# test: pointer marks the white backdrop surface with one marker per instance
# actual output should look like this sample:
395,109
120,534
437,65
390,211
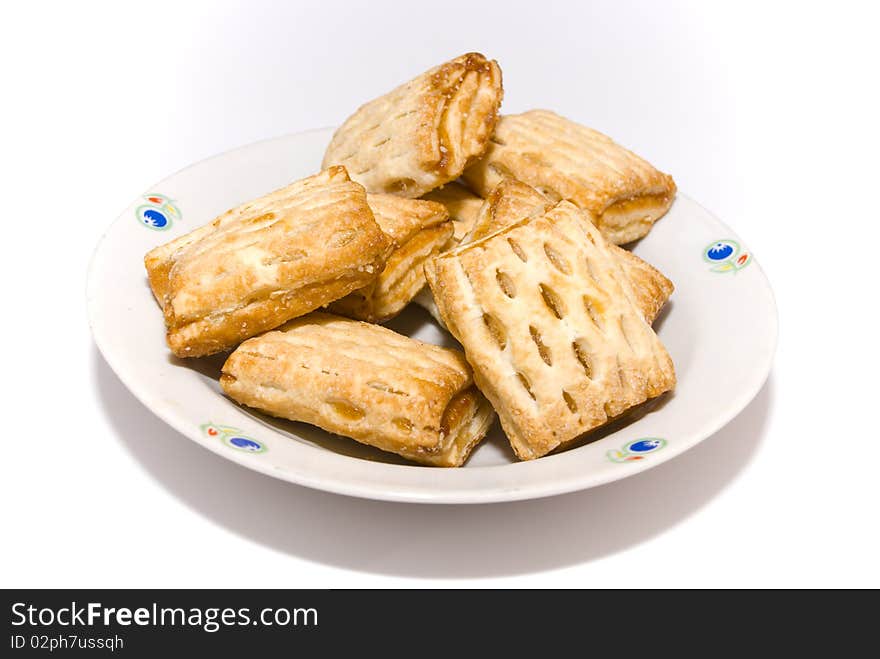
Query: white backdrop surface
766,113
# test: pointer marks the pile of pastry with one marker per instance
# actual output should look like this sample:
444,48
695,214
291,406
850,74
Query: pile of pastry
505,227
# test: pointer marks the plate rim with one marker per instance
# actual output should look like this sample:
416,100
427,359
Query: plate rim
175,420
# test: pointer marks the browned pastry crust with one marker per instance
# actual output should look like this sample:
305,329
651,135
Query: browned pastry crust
564,160
265,262
416,230
508,202
463,207
159,260
549,324
366,382
512,200
424,133
651,288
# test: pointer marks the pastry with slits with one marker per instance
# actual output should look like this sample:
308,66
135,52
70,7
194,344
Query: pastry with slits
265,262
366,382
416,230
512,200
564,160
549,323
423,133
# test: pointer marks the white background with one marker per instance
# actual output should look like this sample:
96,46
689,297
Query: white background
766,113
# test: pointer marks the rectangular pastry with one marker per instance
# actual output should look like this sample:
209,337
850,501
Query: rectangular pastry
512,200
366,382
564,160
416,230
265,262
424,133
549,324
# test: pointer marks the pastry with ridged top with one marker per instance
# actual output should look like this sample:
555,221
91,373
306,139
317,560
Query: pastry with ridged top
564,160
512,200
267,261
366,382
425,132
549,323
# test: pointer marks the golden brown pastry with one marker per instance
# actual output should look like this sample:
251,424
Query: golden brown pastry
424,133
463,207
512,200
366,382
265,262
159,260
549,324
564,160
651,288
417,230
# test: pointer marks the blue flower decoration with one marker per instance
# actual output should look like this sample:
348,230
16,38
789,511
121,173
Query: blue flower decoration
720,251
645,445
233,438
636,449
154,218
158,212
245,444
726,256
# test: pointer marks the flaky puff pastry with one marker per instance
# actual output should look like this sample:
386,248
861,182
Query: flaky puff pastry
512,200
424,133
265,262
416,230
564,160
462,205
549,324
366,382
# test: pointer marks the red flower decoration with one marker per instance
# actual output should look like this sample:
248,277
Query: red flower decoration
212,431
742,259
155,200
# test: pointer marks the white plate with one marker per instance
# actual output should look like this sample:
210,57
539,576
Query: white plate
720,328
